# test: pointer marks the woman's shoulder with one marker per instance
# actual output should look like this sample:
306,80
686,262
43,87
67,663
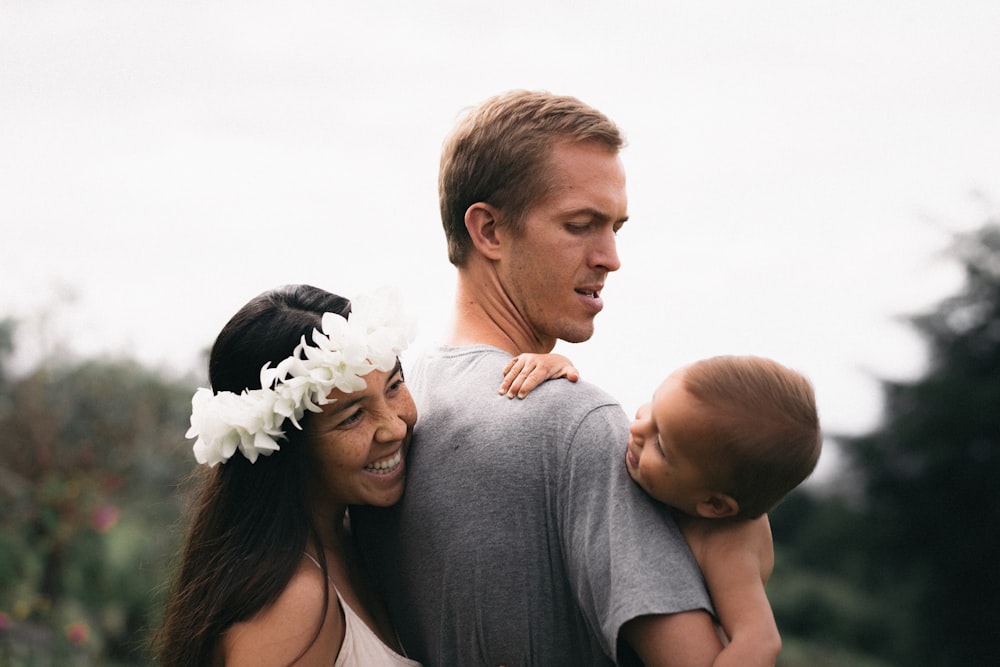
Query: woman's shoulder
304,621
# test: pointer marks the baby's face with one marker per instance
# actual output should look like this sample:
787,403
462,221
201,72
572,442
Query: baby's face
662,439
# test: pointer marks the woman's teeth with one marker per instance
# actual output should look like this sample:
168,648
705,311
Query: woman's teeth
387,464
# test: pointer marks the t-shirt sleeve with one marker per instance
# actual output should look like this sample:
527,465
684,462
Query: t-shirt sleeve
624,554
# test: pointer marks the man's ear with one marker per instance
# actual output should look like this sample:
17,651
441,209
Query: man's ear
481,221
718,506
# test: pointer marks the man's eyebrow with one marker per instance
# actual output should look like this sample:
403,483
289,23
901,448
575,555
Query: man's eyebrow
593,213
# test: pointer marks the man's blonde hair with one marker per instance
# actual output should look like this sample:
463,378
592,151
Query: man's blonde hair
498,154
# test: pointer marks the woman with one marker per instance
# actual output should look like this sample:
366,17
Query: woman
308,414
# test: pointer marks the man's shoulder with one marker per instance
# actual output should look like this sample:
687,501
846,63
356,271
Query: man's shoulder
466,379
572,408
587,394
463,364
445,358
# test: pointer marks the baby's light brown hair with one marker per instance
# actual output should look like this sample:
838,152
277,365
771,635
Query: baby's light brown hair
764,436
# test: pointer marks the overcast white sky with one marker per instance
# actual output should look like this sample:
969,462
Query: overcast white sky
794,167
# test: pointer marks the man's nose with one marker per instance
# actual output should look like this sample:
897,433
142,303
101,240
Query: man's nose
606,253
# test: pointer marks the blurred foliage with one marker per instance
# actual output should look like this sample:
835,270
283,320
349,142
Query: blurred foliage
90,453
902,566
898,569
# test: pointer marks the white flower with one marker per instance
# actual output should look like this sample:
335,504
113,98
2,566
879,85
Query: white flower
344,352
225,422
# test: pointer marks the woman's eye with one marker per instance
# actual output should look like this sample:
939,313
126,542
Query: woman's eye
350,419
397,382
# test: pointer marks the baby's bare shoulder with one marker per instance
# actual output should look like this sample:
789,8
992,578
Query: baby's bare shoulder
722,536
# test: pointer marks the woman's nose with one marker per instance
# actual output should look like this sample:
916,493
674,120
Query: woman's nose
391,427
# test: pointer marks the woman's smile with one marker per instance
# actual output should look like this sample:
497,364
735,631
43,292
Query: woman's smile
386,465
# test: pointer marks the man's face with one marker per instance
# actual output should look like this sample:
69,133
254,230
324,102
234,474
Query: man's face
554,269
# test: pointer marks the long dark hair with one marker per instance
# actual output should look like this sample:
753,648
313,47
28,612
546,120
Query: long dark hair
250,521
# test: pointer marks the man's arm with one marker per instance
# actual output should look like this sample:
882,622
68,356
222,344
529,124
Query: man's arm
630,569
684,639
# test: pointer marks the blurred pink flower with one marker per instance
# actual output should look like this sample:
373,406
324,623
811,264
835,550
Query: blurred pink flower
105,517
4,622
77,633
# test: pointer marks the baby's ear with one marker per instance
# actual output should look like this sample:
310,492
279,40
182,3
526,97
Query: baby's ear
718,506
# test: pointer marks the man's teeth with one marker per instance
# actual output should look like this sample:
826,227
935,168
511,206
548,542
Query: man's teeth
387,464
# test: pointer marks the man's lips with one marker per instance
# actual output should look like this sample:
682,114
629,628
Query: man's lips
592,292
590,298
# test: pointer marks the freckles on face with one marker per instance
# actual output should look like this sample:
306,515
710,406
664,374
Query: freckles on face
358,444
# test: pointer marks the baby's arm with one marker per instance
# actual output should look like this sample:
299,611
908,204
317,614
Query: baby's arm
526,371
736,559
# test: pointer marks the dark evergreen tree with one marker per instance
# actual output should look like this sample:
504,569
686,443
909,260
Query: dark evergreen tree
930,535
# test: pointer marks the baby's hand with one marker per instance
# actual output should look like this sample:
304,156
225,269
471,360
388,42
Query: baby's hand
526,371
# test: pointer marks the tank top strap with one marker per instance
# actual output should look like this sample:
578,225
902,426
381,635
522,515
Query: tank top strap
361,645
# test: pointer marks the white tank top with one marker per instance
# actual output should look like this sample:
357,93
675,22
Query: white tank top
362,647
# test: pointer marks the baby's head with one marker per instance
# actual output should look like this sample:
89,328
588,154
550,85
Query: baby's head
726,437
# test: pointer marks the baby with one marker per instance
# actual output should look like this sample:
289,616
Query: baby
722,442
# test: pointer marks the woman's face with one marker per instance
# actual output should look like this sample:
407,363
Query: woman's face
358,444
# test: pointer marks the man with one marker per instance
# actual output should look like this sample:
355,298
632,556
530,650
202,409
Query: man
520,539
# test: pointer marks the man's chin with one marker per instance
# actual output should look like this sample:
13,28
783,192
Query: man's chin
577,336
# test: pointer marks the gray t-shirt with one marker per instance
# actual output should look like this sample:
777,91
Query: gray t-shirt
520,539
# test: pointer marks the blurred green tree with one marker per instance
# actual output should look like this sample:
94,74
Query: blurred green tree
931,476
903,567
89,456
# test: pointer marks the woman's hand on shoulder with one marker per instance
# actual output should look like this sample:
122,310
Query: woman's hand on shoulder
526,371
296,627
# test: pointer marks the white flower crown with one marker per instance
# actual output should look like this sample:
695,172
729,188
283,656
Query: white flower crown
342,354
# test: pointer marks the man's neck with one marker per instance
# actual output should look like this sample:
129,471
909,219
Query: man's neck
484,315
